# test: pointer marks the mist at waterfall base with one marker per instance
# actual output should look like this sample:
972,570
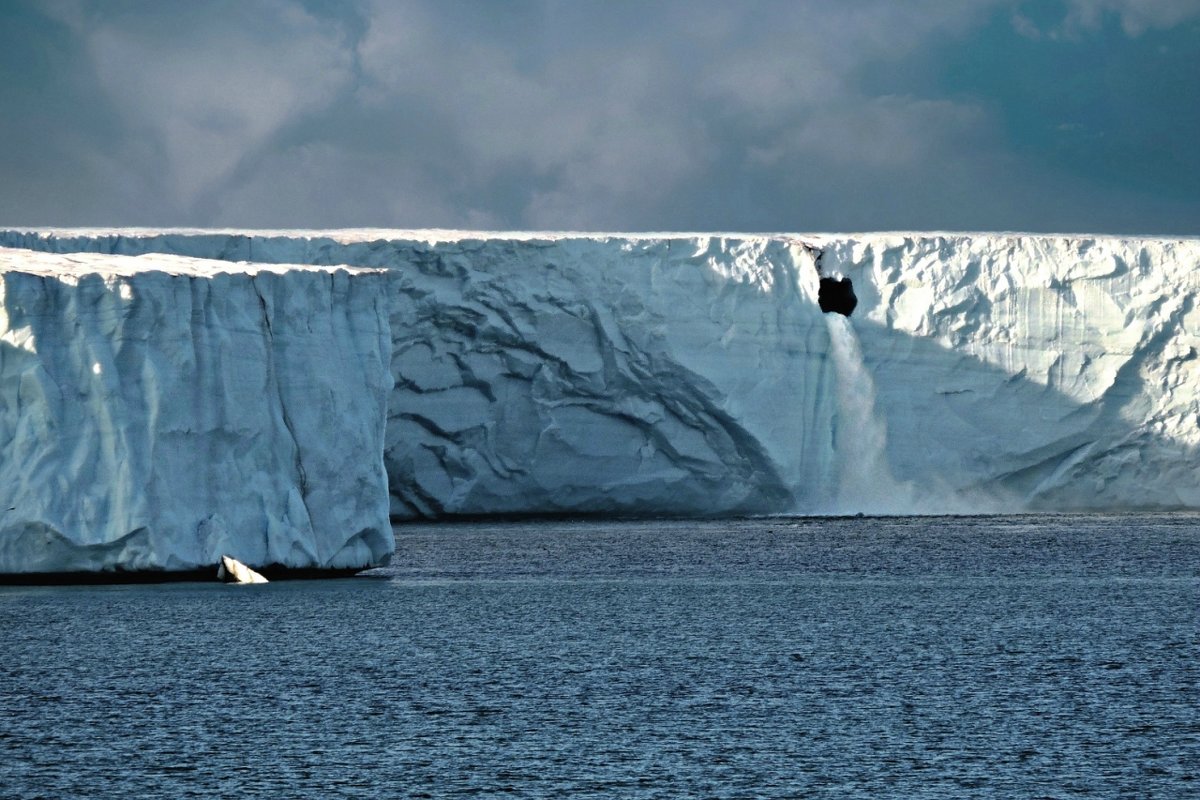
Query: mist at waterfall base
1023,656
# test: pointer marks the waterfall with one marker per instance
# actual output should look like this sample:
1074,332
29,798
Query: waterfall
865,482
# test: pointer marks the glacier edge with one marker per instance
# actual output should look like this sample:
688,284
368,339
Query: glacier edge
157,413
697,375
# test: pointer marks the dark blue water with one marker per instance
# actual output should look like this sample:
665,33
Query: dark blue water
1005,657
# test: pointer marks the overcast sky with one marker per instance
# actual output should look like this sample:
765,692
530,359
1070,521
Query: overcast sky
831,115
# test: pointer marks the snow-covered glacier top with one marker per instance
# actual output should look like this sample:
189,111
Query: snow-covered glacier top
698,373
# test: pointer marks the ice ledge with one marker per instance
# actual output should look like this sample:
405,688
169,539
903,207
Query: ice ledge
74,265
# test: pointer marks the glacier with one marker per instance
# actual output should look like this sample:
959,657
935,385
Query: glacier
635,374
158,412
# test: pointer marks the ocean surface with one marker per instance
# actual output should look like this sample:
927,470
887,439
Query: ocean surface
1053,656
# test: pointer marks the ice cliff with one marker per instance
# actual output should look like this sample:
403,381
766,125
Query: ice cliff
698,374
1032,372
158,412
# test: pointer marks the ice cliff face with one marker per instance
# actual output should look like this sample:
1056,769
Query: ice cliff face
579,374
158,412
1032,372
698,374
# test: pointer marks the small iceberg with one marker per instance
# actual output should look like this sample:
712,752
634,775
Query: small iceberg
230,570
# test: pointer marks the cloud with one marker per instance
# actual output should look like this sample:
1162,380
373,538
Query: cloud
598,115
607,130
593,131
1136,17
891,132
201,91
320,184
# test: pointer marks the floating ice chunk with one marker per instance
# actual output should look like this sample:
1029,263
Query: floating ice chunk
230,570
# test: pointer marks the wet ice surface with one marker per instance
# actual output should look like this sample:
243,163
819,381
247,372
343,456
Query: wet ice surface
1010,656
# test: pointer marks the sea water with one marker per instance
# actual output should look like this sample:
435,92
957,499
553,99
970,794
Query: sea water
1048,656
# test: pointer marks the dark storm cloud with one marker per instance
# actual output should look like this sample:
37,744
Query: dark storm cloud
828,114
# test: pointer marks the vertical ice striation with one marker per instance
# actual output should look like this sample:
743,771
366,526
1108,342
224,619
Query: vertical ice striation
159,412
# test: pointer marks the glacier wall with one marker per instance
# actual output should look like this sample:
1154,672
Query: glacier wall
158,412
544,374
697,374
1033,372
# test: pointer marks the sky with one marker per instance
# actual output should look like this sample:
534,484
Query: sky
699,115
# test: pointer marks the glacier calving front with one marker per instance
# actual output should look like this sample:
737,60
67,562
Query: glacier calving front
158,412
664,374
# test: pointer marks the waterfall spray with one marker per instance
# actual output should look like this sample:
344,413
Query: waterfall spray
865,479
